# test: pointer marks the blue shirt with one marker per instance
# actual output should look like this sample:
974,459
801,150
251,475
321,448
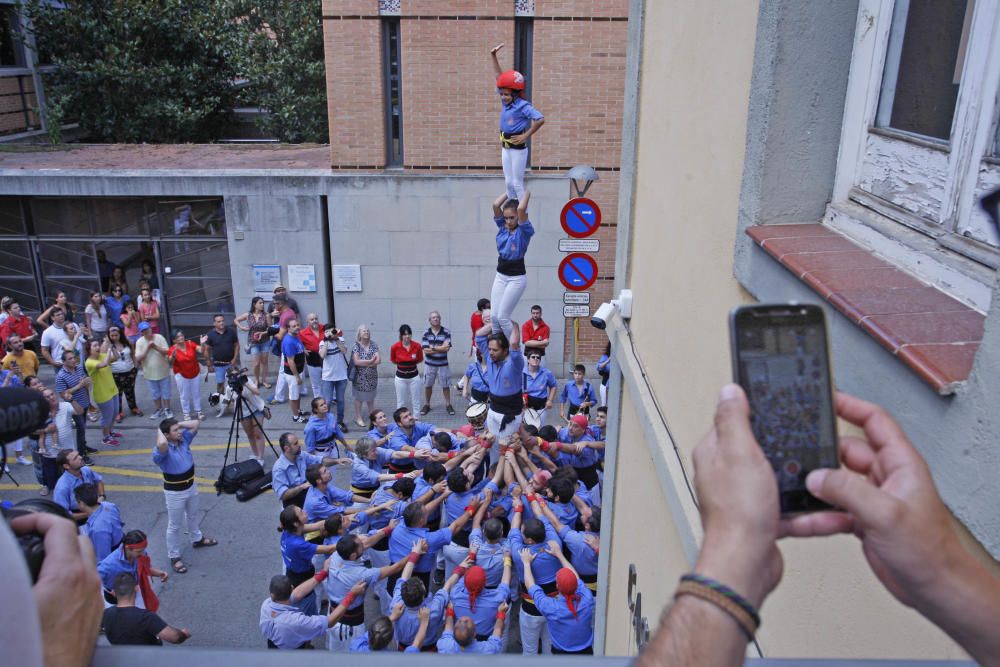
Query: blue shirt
382,519
322,504
504,379
361,645
105,529
583,558
565,512
421,487
576,395
291,346
363,474
115,307
285,474
516,117
447,644
377,435
323,428
513,245
407,625
477,376
178,457
344,574
584,459
297,552
490,556
65,379
67,483
568,633
545,565
14,380
487,602
402,539
400,439
287,626
539,385
113,565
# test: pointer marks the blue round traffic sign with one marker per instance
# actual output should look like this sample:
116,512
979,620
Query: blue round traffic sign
577,271
580,217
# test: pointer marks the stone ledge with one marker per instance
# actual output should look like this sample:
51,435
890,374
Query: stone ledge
934,334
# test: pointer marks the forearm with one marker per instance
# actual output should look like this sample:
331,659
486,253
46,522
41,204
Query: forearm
694,632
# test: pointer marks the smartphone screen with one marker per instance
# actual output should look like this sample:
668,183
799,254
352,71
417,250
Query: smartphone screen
781,359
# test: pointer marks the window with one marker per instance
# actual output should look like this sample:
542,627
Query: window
391,68
919,138
523,35
11,46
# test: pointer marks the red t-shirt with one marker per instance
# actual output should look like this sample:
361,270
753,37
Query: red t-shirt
477,323
529,332
186,361
311,339
406,358
20,325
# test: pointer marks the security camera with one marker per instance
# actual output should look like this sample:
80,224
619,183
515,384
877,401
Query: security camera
600,318
623,304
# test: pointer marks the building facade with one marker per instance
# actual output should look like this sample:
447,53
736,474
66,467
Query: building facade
814,152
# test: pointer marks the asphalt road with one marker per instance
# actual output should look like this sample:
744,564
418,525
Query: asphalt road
219,598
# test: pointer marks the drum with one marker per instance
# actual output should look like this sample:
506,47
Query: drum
476,415
532,418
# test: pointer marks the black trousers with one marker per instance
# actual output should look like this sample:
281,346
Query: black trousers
80,424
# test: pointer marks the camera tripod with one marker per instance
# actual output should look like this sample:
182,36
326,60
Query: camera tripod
240,412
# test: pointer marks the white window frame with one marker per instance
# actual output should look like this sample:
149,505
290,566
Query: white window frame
914,199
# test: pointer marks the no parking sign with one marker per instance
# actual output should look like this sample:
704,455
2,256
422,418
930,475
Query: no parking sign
580,217
578,271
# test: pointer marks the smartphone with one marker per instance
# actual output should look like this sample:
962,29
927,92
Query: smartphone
781,359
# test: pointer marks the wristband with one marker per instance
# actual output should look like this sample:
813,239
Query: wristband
470,509
484,444
451,455
507,561
723,597
450,613
501,615
413,454
387,531
518,509
459,570
321,576
400,475
348,599
544,446
472,556
532,498
413,557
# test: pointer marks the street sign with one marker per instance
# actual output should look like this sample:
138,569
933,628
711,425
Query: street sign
580,217
576,311
577,272
578,298
579,245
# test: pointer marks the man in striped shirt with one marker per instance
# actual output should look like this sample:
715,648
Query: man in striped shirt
436,342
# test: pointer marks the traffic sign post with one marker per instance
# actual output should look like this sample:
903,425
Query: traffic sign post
580,217
577,272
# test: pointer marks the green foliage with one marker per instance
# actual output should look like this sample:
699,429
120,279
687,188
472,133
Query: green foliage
158,71
282,58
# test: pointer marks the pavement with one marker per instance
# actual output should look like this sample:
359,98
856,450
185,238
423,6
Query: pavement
219,598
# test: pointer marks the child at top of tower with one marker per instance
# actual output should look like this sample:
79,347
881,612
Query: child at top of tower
518,121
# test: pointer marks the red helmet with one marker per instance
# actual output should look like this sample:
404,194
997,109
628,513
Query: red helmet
511,79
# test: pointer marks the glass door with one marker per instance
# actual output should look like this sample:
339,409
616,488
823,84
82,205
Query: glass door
197,283
70,267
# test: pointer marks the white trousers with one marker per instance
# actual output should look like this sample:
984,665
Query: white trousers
190,393
409,386
315,377
506,292
281,384
514,163
182,506
340,636
533,628
493,421
604,394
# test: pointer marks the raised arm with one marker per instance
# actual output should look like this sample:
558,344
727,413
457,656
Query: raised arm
497,203
522,204
496,60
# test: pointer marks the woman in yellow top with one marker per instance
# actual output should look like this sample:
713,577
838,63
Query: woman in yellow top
98,365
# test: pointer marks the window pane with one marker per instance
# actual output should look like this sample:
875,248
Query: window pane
11,220
186,259
69,267
66,217
119,217
17,278
11,49
191,217
923,66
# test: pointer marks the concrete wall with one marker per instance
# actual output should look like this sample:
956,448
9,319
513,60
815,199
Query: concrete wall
738,121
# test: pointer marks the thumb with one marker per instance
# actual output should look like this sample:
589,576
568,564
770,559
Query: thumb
851,492
732,416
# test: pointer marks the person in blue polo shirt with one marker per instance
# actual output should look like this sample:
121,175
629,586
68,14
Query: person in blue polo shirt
460,636
323,498
285,626
381,430
404,438
322,433
410,600
514,233
539,386
104,525
415,528
578,395
288,475
297,552
570,615
378,638
504,368
74,473
518,121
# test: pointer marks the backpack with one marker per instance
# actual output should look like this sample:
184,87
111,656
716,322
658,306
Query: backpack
236,475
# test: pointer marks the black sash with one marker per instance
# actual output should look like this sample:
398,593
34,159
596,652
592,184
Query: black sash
480,396
511,267
506,405
178,482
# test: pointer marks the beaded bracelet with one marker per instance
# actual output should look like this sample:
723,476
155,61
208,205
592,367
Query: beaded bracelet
723,597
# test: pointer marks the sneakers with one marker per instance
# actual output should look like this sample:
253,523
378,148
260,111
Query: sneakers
108,440
187,417
299,419
450,410
23,461
43,490
93,416
201,416
168,414
87,460
157,414
116,435
424,410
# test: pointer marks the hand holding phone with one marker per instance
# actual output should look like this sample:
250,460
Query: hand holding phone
781,359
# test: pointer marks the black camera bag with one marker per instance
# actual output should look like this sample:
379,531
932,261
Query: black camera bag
254,488
235,475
